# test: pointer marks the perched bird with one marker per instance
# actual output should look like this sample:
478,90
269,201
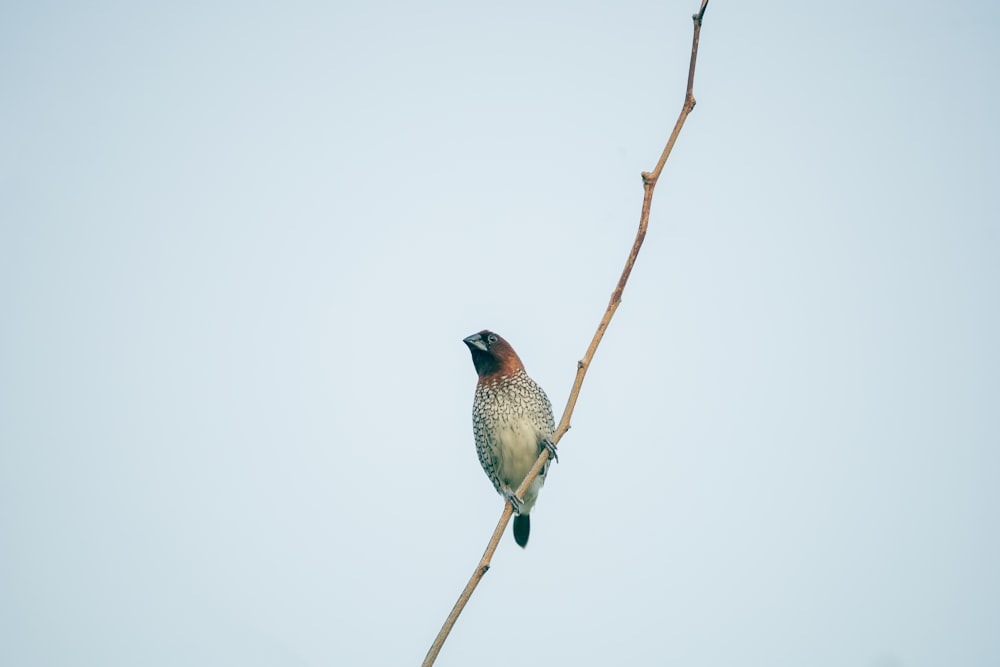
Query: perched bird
512,422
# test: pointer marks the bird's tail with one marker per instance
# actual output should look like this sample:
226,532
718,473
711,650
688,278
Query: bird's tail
522,526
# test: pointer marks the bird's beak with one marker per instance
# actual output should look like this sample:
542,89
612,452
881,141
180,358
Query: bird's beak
475,342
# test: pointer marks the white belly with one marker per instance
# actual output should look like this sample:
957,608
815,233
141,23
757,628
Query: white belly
518,445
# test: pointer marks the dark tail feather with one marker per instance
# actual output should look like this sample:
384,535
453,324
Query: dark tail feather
522,526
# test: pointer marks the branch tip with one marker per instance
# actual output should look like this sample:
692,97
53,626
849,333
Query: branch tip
701,13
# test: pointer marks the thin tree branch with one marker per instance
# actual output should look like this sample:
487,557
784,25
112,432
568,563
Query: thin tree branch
649,180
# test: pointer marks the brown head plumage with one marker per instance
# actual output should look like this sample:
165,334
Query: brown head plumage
492,355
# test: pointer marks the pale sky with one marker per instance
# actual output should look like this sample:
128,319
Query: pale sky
240,245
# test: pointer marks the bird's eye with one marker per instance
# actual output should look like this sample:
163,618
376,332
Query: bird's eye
492,338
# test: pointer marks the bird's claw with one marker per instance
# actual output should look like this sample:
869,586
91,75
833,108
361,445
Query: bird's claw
514,501
551,447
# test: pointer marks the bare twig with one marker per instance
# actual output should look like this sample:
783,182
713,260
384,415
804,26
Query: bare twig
648,183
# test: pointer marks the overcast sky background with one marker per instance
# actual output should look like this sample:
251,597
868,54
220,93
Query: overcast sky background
240,245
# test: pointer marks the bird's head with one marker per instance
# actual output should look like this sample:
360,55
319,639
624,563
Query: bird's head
491,354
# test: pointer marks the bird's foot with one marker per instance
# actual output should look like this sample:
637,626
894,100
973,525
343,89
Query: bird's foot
551,446
514,501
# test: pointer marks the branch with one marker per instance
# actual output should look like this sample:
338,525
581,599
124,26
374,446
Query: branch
649,180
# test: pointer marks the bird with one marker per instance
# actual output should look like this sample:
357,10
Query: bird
512,423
